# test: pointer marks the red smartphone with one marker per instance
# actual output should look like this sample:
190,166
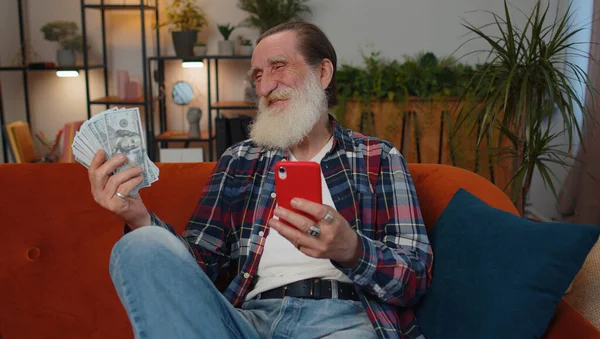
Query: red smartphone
297,179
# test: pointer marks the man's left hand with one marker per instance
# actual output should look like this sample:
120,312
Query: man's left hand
337,240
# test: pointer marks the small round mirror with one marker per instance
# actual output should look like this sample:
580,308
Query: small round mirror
182,93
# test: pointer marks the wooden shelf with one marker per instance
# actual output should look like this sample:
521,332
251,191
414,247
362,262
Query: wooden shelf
12,68
114,100
181,136
53,68
233,105
201,57
247,113
63,68
116,7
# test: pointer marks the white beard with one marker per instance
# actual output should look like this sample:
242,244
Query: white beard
276,129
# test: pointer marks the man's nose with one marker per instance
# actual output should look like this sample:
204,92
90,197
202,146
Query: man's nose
265,86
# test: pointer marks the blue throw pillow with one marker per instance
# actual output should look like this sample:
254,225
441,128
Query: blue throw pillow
497,275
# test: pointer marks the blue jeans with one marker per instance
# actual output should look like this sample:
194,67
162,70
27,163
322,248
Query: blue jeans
167,295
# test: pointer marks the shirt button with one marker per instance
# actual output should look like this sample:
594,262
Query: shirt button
246,275
273,195
261,234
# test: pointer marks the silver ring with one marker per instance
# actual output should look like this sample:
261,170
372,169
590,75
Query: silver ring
314,231
120,196
328,218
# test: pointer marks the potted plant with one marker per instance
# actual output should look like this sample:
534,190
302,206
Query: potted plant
188,20
66,34
246,47
525,88
265,14
225,45
200,48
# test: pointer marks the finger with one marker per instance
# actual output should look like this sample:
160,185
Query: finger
128,186
120,178
318,211
295,236
100,175
111,165
97,161
300,221
96,181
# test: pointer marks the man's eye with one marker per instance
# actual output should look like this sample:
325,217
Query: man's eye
278,66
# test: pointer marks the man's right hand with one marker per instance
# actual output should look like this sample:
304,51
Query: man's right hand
105,187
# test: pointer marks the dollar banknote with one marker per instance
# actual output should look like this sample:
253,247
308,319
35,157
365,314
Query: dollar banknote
116,131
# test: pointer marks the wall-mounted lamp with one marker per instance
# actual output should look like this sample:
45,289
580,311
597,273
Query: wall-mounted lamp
67,74
192,64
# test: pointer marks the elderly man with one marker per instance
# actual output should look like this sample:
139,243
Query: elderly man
357,277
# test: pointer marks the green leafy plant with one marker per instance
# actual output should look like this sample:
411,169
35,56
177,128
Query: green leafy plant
265,14
523,89
184,15
422,75
200,44
226,30
65,33
244,42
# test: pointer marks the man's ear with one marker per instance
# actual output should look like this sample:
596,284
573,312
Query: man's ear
326,73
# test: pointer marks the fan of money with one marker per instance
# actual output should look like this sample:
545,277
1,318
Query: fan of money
116,131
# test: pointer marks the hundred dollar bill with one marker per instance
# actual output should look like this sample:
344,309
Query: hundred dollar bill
124,135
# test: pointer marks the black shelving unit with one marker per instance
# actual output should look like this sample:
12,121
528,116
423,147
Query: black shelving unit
107,100
146,98
164,135
23,69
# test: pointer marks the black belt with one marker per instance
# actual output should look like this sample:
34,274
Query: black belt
313,289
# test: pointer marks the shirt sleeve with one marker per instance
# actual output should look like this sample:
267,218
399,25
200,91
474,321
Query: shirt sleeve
206,232
396,266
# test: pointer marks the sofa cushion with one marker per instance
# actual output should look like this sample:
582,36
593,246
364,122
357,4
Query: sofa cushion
497,275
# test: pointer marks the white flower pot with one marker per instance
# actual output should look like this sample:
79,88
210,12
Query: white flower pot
199,50
226,47
65,58
246,50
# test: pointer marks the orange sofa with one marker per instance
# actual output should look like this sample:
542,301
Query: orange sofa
55,244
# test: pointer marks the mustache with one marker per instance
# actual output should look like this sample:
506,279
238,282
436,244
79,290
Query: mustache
279,94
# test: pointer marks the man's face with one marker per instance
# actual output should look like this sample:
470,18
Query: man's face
130,143
277,67
292,98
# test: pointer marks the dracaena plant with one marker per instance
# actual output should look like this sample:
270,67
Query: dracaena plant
525,87
265,14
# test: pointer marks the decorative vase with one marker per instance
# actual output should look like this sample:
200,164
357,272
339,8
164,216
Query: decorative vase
246,50
226,47
199,50
65,57
183,42
193,116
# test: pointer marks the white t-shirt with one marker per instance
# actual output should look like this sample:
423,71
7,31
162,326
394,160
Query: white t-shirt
282,263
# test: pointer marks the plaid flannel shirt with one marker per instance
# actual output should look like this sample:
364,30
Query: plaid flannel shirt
371,188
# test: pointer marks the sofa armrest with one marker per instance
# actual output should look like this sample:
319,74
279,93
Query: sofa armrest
568,323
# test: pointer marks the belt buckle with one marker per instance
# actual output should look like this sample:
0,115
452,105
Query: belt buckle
334,289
